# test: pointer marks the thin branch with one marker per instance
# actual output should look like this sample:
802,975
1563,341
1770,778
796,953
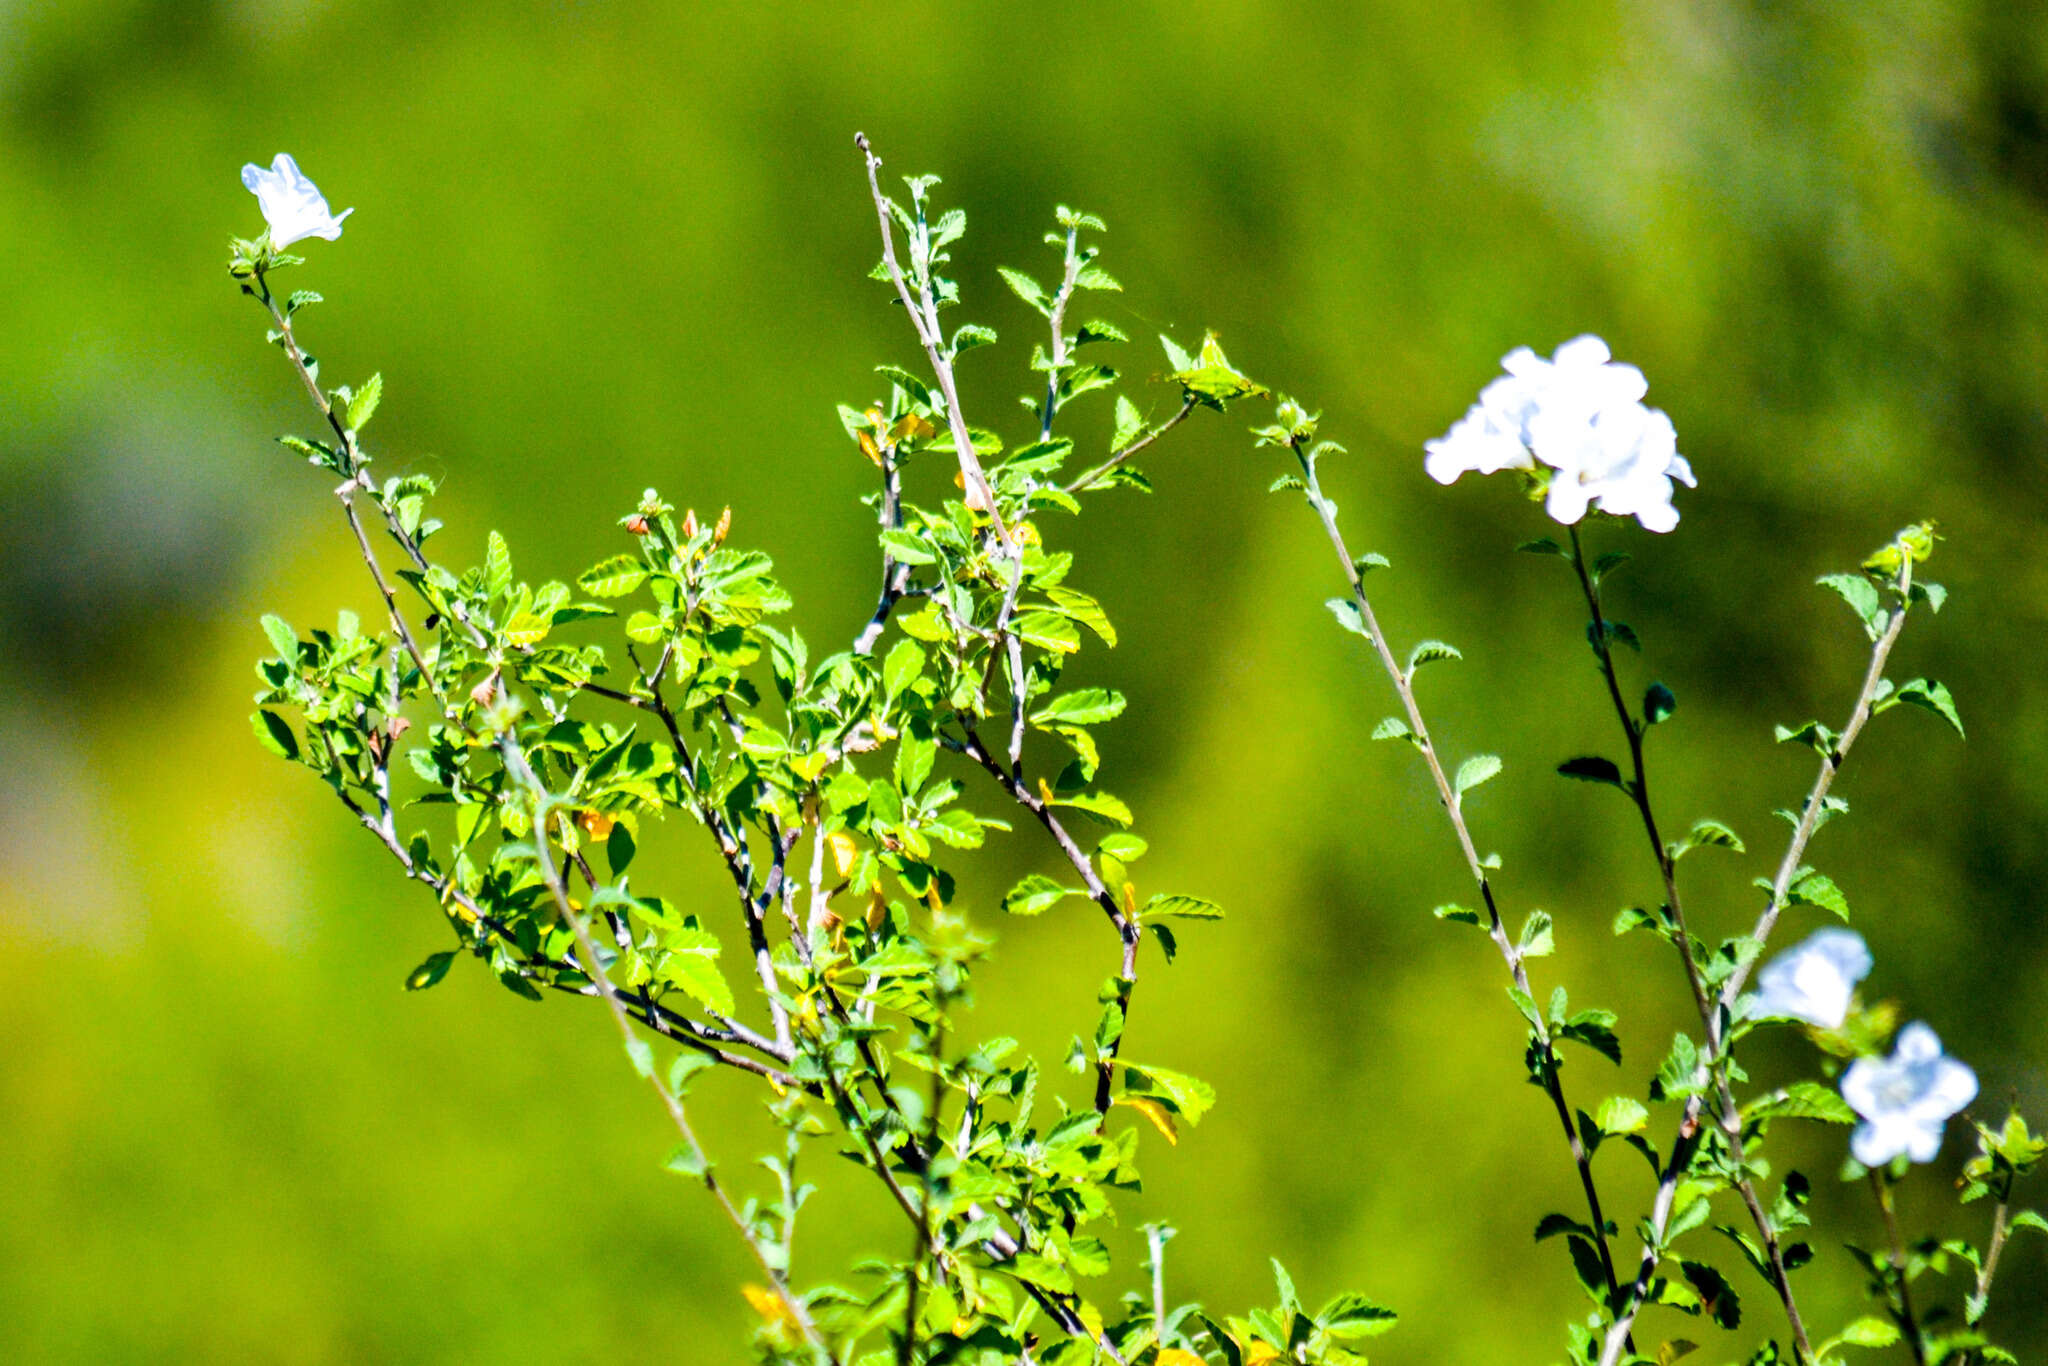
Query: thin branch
1129,931
924,317
1076,485
542,804
1909,1322
895,574
1703,1000
1551,1065
1795,852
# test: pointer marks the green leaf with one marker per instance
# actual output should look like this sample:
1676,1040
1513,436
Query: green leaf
1026,288
971,336
619,848
614,577
1086,707
903,546
1865,1332
909,384
362,405
1861,594
274,734
1428,652
1592,769
1537,940
1925,692
429,972
1185,1095
1351,1315
1707,834
692,964
1459,914
1346,612
1817,889
1542,545
497,566
1184,907
1621,1115
1801,1100
1100,805
282,638
642,1054
1474,771
685,1160
905,661
1035,894
1048,631
1212,380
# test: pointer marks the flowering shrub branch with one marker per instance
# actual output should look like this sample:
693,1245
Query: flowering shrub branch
526,771
510,752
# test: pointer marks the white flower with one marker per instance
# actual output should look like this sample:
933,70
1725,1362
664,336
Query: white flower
1581,414
1814,980
292,204
1906,1098
1483,441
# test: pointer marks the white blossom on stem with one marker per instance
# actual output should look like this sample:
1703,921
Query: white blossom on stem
292,205
1580,415
1814,980
1905,1099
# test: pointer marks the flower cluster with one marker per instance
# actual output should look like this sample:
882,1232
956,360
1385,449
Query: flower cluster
1904,1100
1580,418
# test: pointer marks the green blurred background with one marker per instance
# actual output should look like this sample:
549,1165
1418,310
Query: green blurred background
599,246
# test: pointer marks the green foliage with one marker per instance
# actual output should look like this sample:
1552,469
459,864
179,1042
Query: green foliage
496,735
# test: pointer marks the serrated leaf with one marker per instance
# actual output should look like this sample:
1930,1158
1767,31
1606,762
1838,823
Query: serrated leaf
1025,288
1801,1100
1592,769
1189,1097
1621,1115
1708,834
362,405
1086,707
1818,889
1183,907
692,964
1934,697
1860,593
497,565
1428,652
1474,771
1035,894
614,577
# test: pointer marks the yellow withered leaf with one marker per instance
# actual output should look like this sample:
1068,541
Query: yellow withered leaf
1162,1118
844,852
911,425
770,1306
595,824
1174,1356
869,449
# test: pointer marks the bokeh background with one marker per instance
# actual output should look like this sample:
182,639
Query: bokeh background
604,245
